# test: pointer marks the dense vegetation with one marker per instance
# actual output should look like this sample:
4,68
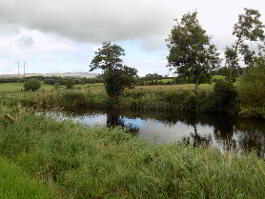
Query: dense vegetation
252,91
32,85
77,162
16,184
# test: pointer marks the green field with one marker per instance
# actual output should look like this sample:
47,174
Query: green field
187,87
158,98
15,87
218,77
98,87
166,80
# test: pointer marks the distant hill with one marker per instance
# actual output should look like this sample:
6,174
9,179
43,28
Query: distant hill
67,74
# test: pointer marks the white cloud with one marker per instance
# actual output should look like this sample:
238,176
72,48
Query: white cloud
33,41
56,31
91,21
120,20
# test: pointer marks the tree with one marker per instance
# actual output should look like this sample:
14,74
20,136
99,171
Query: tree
190,50
248,29
116,75
154,76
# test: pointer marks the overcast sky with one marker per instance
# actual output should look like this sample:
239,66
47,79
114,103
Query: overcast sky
62,35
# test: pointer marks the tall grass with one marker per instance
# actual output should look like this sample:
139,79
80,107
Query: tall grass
15,184
110,163
84,98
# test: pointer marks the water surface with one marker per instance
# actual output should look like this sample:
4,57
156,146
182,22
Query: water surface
224,133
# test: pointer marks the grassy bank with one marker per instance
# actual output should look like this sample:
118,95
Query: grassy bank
174,97
80,163
180,98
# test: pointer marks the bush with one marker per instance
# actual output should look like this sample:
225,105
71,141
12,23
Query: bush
69,83
32,85
74,100
49,81
252,87
223,99
225,96
252,92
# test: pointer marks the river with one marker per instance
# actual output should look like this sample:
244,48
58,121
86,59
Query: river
224,133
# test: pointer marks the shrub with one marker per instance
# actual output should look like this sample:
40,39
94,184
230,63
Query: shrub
225,96
223,99
32,85
56,85
252,87
49,81
72,100
69,83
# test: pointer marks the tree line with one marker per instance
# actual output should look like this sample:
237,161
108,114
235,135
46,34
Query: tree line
192,56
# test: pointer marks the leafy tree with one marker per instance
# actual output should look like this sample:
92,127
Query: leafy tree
191,53
248,29
116,75
154,76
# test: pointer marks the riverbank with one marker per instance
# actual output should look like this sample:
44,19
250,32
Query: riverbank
155,98
77,162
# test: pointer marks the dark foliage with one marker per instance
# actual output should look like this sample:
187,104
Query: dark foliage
224,99
32,85
116,75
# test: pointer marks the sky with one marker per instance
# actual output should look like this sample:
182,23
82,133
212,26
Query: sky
62,35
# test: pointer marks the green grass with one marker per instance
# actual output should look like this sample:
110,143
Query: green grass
109,163
10,87
181,87
14,87
166,80
218,77
99,88
163,97
15,184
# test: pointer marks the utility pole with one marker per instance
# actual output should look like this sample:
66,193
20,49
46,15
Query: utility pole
17,71
24,71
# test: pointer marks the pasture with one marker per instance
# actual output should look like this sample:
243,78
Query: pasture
98,88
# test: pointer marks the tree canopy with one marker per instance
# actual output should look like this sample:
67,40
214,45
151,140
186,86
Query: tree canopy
116,75
190,52
248,30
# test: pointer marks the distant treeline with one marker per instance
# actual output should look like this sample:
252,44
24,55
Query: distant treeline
149,79
53,80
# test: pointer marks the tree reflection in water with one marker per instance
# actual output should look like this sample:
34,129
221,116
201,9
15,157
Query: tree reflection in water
227,133
230,134
116,120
